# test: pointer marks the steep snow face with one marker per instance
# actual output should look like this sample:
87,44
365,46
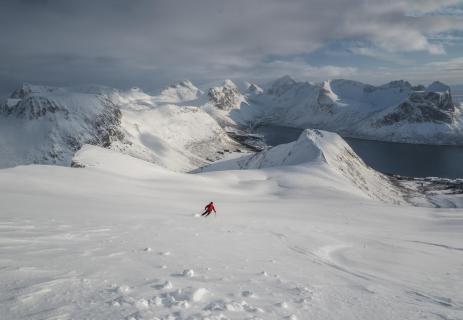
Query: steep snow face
325,149
290,103
48,125
178,138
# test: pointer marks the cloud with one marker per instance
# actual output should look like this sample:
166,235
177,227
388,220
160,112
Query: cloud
453,65
151,42
300,69
448,71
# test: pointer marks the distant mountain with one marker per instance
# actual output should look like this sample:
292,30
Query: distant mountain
183,128
182,92
48,125
396,111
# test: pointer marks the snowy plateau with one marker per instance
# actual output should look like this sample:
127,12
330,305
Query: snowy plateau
101,192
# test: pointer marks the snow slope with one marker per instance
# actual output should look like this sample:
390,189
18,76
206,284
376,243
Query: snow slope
322,149
120,239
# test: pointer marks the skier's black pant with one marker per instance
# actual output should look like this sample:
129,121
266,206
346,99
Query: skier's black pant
206,213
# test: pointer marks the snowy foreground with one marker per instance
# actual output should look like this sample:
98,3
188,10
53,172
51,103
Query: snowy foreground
122,239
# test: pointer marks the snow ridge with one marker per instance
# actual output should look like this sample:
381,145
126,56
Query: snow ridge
320,148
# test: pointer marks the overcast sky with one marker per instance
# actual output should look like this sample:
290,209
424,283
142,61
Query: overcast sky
151,43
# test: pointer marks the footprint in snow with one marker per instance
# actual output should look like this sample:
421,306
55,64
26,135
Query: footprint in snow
247,293
187,273
165,285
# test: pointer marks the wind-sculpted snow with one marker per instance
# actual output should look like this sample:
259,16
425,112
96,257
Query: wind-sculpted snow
320,148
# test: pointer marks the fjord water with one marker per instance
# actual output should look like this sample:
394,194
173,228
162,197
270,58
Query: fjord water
412,160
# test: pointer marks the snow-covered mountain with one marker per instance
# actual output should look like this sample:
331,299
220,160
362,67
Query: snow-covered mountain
183,128
48,125
396,111
226,97
320,149
297,235
182,92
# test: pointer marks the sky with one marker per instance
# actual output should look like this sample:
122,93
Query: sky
153,43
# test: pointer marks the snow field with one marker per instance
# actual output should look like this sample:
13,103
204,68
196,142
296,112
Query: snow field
293,242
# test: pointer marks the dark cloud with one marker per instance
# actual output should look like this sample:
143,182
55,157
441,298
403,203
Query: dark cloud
150,43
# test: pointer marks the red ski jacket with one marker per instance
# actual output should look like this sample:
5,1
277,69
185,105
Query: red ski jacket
210,207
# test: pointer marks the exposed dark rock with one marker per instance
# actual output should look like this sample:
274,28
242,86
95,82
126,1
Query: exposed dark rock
34,107
422,106
226,97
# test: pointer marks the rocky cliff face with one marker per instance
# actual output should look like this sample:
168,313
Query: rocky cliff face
433,105
420,107
396,111
52,123
48,125
226,97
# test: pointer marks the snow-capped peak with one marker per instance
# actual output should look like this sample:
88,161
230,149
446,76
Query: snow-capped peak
226,97
229,84
27,89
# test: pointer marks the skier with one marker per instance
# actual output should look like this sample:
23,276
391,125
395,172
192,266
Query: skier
208,209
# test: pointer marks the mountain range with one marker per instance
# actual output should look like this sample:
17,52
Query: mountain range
183,128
